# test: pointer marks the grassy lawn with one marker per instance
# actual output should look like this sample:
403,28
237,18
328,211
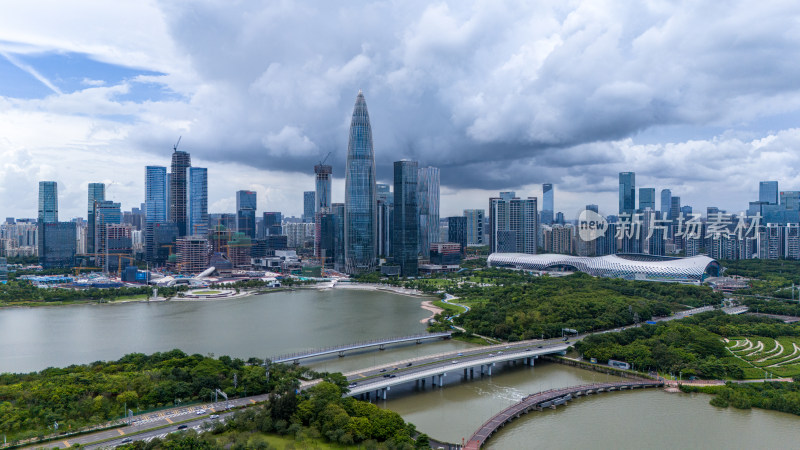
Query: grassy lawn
452,309
277,441
780,357
207,292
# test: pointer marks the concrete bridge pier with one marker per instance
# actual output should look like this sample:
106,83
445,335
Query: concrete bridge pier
465,373
433,380
490,368
367,395
472,372
423,382
440,380
384,393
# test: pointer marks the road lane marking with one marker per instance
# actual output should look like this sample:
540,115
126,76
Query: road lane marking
121,433
167,419
212,409
66,444
252,401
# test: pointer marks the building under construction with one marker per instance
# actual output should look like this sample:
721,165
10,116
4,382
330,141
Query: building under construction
193,254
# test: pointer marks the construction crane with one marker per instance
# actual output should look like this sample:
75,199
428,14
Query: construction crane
78,270
175,147
325,159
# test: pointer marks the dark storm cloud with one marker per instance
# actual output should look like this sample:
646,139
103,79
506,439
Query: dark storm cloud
494,93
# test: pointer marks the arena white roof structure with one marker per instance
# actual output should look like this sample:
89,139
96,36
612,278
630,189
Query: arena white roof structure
628,266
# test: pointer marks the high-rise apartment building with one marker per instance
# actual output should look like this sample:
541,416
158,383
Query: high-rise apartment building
768,192
324,174
272,223
198,202
97,193
178,191
48,201
475,222
360,202
246,213
666,202
647,199
428,204
309,206
513,225
406,217
627,192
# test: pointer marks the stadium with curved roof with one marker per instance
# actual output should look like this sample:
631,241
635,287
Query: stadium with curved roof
628,266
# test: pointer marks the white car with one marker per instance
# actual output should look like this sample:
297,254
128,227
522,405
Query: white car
200,412
213,416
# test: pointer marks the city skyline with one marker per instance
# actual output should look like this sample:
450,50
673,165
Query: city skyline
448,90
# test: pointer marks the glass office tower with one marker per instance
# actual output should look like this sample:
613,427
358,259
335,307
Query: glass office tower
647,198
627,192
666,202
360,203
48,201
768,192
97,193
406,217
198,202
178,194
428,201
246,213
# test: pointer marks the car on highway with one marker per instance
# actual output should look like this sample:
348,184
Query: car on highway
126,441
383,370
460,354
200,412
453,362
214,416
409,364
353,384
392,376
387,375
183,427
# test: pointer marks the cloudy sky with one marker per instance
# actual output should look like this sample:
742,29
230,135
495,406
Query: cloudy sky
700,97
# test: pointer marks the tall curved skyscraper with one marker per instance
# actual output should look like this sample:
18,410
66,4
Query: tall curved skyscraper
360,221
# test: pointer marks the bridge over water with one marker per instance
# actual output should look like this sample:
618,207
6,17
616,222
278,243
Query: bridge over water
381,381
341,349
548,399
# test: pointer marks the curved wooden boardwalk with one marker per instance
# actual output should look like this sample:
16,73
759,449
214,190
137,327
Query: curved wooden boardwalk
545,399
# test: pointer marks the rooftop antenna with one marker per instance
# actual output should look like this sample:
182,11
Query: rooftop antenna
175,147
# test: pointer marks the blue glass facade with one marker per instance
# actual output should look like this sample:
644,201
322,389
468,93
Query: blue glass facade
406,217
309,200
198,201
627,192
97,193
155,194
324,174
246,213
768,192
360,202
48,201
647,198
666,202
428,201
57,244
178,193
